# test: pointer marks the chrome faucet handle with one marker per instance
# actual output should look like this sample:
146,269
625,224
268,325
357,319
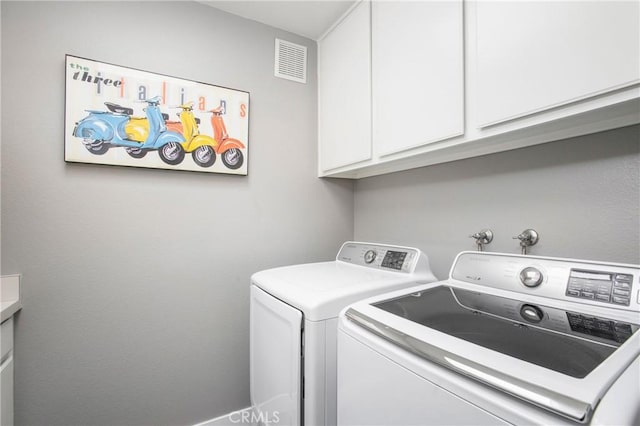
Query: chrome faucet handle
483,237
528,238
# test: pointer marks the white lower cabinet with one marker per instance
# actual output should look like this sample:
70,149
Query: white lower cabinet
457,79
6,373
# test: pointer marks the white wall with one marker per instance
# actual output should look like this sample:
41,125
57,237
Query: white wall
582,195
135,281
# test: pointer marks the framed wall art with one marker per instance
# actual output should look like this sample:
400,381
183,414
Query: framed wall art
127,117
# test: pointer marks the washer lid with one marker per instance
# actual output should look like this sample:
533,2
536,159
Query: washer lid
567,342
321,290
546,356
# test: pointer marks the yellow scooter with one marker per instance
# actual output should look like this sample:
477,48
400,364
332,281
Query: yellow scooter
201,147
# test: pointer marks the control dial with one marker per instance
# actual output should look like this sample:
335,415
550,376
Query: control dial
531,277
370,256
531,313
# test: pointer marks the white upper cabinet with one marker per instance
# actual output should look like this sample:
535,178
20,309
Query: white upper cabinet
406,84
536,55
345,91
417,73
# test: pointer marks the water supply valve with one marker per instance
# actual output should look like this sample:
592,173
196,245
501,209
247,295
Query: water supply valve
483,237
528,238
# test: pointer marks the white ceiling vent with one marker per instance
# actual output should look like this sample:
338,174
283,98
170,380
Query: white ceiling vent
291,61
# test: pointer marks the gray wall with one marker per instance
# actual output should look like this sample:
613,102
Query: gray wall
135,281
581,195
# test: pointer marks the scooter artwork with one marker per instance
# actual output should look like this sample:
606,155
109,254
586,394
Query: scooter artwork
201,147
204,148
101,130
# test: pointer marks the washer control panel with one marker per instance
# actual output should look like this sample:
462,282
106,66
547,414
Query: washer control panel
531,277
603,286
611,285
392,258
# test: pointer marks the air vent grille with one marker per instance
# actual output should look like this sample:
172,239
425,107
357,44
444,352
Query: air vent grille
291,61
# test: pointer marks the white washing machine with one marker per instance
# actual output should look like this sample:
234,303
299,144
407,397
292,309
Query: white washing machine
507,339
294,317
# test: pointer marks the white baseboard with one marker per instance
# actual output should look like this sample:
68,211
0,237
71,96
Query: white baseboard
235,418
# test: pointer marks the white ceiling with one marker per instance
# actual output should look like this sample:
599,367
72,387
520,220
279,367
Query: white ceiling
308,18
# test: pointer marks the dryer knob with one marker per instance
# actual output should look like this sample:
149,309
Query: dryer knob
531,277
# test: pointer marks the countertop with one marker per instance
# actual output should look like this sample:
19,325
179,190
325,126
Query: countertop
10,296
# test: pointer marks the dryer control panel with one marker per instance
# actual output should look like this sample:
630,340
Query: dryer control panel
390,258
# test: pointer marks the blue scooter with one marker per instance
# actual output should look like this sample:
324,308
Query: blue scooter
101,130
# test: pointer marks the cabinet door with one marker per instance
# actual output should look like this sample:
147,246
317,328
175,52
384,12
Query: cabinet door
6,392
417,72
345,91
536,55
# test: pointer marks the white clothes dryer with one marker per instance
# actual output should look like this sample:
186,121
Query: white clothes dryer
507,339
293,326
